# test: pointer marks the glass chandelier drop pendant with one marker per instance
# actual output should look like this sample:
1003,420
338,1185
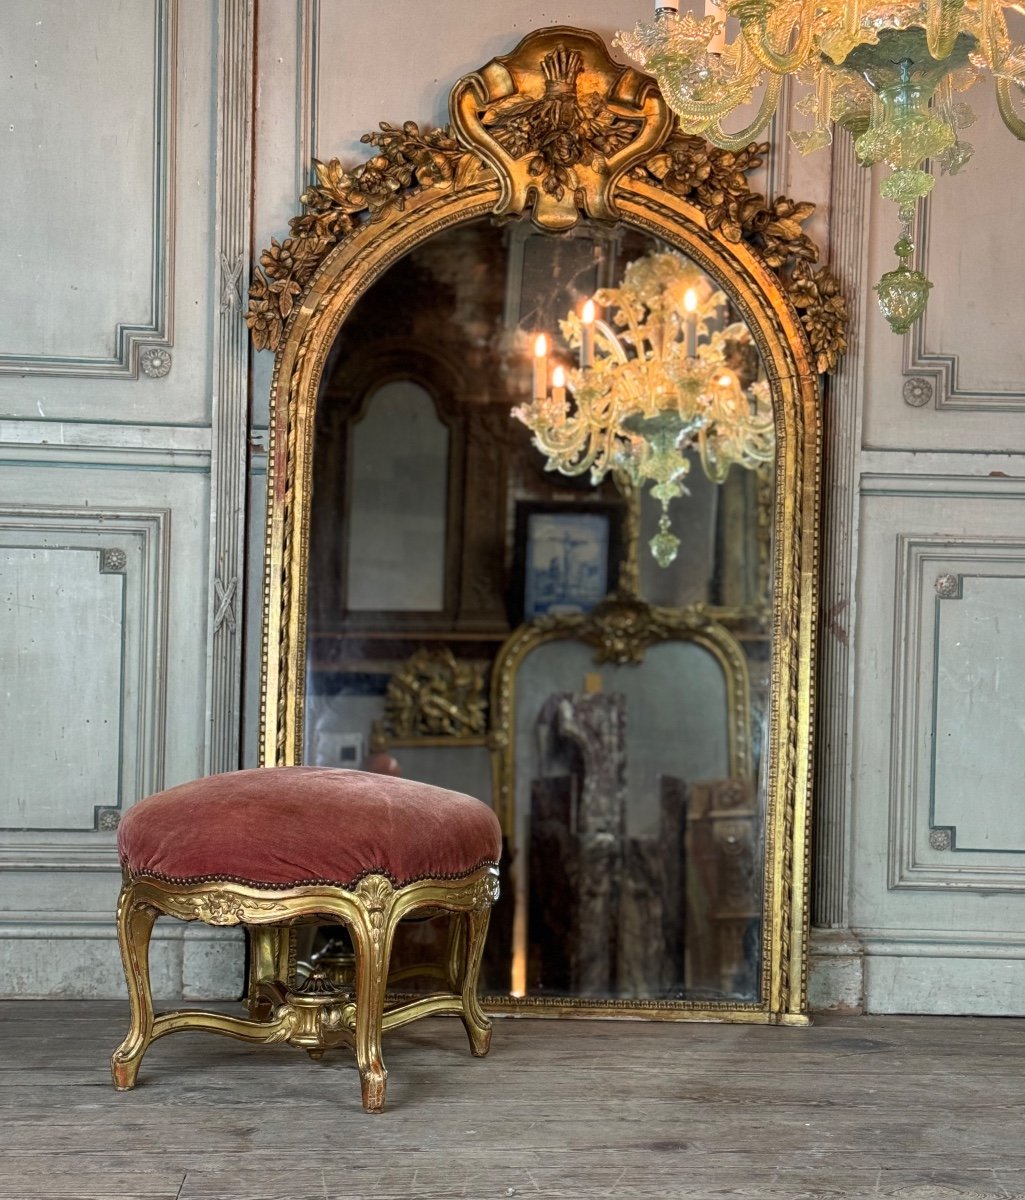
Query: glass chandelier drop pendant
887,72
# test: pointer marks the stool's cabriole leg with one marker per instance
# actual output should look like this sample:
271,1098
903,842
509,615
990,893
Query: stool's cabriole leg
373,930
134,927
265,967
478,1027
455,963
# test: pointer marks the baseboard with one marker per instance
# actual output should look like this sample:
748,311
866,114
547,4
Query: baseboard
836,972
941,973
77,958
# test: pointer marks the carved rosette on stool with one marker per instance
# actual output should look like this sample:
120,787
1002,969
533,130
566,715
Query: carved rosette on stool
183,857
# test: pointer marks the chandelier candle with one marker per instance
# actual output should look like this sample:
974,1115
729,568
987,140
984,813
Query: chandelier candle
540,388
718,43
559,387
587,335
690,303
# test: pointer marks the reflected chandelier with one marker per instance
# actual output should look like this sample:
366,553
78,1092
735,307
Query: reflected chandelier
652,388
888,72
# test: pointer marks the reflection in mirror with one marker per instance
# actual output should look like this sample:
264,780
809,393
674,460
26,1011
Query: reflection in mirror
397,511
459,630
635,806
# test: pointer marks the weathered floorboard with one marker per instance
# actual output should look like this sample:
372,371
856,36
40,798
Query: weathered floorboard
915,1108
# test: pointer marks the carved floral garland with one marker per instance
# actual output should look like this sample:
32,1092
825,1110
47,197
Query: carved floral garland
410,161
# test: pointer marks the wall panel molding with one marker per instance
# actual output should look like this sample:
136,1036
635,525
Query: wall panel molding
156,329
99,444
307,66
230,405
926,368
996,484
932,572
133,547
842,438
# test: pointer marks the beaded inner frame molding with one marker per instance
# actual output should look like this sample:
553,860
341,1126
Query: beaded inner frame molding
557,131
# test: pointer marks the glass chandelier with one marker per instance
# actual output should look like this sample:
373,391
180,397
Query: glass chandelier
653,388
887,72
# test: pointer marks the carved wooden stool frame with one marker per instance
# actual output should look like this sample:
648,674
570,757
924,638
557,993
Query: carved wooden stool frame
313,1015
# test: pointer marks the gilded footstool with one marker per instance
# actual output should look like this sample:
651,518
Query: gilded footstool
283,846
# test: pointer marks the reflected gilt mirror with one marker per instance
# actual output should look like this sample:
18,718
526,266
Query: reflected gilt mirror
542,526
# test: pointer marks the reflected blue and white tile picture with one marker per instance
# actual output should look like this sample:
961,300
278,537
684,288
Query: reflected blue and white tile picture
567,567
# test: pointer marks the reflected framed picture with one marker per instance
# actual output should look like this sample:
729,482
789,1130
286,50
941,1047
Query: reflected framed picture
566,557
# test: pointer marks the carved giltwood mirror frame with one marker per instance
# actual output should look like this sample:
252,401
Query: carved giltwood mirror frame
620,158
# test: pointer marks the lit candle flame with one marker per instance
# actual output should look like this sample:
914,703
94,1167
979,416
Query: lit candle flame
558,378
690,300
587,336
540,366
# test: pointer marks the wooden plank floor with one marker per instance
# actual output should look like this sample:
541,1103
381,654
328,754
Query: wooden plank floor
920,1108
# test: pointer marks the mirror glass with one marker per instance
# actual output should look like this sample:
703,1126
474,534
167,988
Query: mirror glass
634,811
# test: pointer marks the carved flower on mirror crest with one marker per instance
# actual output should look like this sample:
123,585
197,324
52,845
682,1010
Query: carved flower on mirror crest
816,296
262,317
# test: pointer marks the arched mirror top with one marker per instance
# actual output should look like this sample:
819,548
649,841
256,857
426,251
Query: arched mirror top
558,134
556,131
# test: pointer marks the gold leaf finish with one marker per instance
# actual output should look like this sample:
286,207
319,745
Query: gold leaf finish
408,161
436,695
313,1017
559,125
663,183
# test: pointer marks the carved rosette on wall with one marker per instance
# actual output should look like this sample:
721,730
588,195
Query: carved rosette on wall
155,362
948,586
559,132
918,391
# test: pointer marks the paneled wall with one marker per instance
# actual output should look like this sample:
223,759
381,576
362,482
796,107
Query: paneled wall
130,572
921,856
123,404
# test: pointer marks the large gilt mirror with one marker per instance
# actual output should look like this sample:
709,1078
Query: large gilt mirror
501,561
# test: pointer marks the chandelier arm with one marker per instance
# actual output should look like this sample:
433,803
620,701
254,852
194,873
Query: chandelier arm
614,345
1005,103
695,111
757,40
571,456
702,112
942,24
989,31
635,327
737,141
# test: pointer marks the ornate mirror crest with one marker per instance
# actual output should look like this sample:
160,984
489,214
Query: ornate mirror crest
557,131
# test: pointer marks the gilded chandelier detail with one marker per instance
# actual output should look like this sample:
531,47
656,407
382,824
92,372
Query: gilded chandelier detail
888,72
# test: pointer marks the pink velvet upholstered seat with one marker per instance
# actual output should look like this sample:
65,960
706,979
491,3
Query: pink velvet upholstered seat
277,827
